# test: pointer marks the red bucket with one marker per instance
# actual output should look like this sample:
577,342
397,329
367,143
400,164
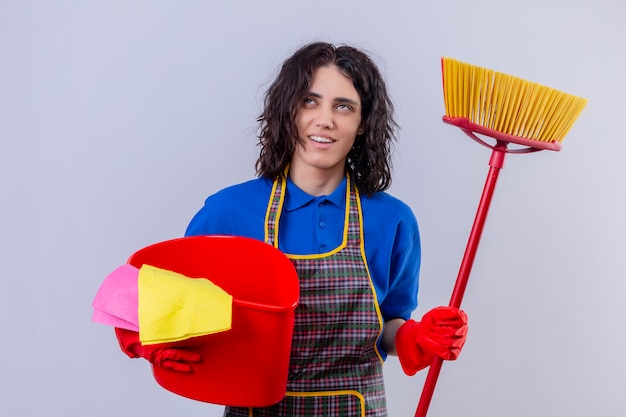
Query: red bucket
246,366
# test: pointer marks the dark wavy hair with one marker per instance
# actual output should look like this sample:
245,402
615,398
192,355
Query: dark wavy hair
369,160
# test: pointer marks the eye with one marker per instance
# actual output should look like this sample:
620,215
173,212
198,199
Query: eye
345,107
308,102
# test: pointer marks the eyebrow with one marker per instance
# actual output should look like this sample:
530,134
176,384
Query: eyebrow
336,99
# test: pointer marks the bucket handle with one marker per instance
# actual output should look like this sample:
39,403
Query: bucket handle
264,307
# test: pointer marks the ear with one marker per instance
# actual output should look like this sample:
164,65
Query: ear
361,130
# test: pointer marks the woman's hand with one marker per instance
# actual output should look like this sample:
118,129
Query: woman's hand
173,358
442,332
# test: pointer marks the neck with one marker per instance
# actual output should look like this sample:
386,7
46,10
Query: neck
316,182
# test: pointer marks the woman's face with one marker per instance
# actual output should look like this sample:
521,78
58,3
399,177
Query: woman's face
328,120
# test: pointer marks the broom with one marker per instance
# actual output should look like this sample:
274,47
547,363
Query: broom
510,110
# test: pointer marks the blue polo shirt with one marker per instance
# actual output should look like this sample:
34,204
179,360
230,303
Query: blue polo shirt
311,224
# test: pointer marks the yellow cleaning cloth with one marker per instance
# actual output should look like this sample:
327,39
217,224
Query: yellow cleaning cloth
173,307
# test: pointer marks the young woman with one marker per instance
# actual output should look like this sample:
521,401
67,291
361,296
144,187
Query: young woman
325,139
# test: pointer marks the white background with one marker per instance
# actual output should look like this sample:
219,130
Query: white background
117,119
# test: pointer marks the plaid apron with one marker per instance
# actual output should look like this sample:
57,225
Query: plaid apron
335,368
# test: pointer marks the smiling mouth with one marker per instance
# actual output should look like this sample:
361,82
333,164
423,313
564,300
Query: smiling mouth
320,139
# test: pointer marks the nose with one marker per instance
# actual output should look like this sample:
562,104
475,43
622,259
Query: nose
324,117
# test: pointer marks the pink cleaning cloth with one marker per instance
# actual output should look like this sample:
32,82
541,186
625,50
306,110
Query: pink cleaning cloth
116,301
101,317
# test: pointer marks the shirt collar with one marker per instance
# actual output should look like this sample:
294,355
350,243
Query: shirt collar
296,198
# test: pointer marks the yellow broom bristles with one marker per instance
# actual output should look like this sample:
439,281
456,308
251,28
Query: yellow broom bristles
508,104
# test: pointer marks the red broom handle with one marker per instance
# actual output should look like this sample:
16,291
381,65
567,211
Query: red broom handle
495,164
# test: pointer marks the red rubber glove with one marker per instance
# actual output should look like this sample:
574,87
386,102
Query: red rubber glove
441,332
172,358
